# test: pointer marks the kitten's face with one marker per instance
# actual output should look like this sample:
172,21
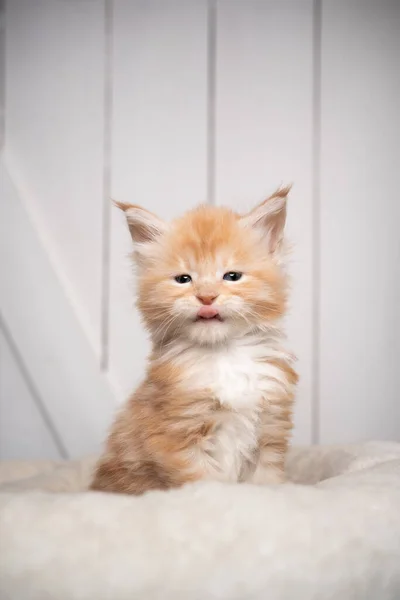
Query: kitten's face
212,274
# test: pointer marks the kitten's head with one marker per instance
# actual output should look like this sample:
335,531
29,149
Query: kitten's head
212,274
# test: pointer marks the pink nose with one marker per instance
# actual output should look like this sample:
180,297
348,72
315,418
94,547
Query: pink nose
207,299
207,312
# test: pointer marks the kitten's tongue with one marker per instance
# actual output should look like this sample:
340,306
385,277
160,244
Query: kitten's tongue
207,312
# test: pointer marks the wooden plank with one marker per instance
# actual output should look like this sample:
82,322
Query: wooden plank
23,433
159,143
264,138
46,332
360,213
54,136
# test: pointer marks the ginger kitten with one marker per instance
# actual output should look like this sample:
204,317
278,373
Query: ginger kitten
217,397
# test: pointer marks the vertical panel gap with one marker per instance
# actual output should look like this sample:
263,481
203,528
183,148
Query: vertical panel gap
2,73
34,393
107,139
316,224
211,97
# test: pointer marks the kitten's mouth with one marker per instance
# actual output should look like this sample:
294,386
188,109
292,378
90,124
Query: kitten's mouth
208,314
209,319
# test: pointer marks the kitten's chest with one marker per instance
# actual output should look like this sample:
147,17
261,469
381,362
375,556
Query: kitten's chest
235,379
238,380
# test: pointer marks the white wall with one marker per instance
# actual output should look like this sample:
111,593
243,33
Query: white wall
169,103
359,247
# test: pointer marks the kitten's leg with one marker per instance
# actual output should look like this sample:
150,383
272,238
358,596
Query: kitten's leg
275,427
112,475
126,468
270,468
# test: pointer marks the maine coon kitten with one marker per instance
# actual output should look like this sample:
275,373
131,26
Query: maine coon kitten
217,397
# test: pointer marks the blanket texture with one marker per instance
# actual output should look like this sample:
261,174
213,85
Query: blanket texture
332,533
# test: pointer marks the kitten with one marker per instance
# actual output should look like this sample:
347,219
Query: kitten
217,397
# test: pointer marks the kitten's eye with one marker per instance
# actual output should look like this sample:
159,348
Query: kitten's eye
233,276
183,278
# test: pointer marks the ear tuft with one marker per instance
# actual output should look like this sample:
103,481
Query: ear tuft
269,218
121,205
143,225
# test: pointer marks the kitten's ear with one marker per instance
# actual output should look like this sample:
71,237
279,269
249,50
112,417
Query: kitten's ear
143,225
269,218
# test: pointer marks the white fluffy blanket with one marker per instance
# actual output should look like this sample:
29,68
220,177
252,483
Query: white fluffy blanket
332,534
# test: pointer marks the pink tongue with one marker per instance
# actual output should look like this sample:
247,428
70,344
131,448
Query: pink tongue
207,312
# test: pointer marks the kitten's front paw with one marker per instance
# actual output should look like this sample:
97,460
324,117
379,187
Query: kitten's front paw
267,476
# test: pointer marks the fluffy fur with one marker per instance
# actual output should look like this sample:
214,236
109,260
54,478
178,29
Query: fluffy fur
336,538
216,401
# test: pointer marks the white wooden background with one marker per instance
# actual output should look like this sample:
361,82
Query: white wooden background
169,103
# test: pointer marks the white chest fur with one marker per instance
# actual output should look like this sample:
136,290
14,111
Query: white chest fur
236,377
240,377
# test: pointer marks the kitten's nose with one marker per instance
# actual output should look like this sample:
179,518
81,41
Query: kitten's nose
207,299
